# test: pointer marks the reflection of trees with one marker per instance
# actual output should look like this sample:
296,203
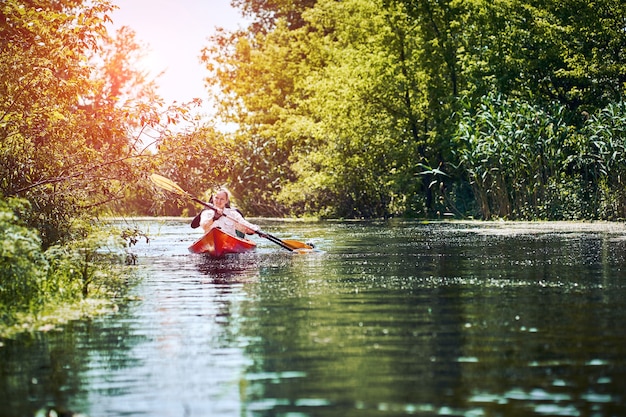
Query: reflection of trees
542,319
231,269
56,368
187,321
423,317
354,328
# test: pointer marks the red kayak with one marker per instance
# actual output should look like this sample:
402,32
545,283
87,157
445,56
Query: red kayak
218,243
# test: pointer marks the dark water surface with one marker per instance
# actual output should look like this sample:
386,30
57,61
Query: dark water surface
388,319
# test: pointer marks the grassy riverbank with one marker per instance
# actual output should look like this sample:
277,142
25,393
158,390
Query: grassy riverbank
42,288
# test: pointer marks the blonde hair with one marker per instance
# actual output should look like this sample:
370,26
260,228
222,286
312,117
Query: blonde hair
225,191
208,195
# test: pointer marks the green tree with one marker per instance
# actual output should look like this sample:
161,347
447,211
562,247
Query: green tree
337,95
43,71
255,76
547,50
364,101
66,141
350,108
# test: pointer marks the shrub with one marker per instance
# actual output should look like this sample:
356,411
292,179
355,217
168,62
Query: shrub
22,264
34,284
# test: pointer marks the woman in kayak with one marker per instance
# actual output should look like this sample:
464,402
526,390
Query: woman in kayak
225,217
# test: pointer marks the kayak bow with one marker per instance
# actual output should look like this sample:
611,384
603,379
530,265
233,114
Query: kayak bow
218,243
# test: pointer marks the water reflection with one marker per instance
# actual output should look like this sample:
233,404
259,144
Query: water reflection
229,269
50,369
392,318
442,322
351,344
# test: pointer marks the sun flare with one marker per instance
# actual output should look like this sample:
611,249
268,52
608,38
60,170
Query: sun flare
151,64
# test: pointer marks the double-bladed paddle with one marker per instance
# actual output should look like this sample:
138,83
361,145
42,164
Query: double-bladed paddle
169,185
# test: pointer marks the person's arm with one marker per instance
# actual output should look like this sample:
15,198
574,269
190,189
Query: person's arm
206,220
242,224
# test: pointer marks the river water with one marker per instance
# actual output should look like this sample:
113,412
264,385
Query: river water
384,319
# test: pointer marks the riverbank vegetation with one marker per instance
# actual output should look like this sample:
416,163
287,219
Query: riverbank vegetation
355,108
489,109
41,288
70,103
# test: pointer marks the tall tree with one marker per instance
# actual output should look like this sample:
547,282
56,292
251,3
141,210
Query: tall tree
64,142
255,76
364,96
338,107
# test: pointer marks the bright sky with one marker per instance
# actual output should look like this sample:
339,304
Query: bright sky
176,31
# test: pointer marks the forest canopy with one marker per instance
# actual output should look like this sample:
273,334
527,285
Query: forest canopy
374,108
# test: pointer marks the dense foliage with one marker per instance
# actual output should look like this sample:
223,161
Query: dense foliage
36,283
362,108
63,130
74,113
